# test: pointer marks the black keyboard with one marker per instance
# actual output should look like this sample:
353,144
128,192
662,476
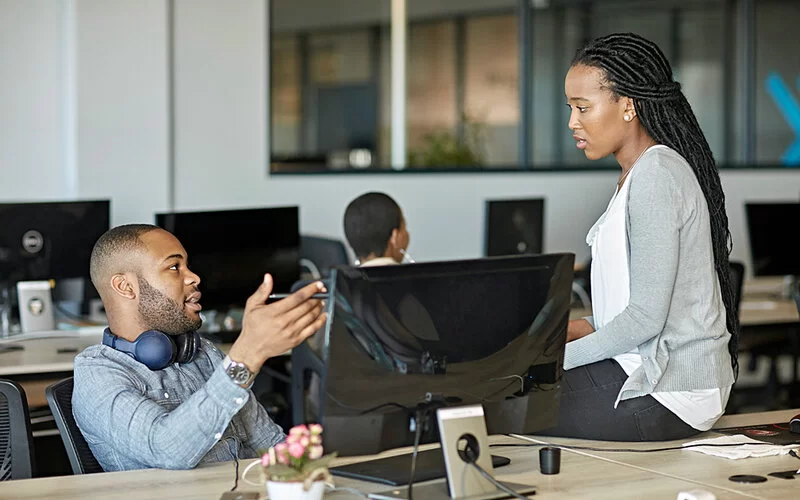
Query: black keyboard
395,471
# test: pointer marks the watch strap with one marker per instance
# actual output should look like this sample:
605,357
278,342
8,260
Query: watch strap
228,363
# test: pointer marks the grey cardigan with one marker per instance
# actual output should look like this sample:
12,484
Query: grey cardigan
675,315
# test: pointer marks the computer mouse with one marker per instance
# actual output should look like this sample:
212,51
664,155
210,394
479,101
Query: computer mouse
794,424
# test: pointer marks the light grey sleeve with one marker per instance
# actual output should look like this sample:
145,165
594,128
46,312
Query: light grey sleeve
262,432
653,235
109,407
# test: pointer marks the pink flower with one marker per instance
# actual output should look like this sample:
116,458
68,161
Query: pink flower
265,460
298,430
304,442
282,453
316,439
292,438
296,450
315,429
315,452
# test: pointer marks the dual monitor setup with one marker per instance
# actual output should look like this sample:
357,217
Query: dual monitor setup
52,242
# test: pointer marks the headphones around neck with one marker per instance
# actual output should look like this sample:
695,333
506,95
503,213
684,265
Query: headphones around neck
156,350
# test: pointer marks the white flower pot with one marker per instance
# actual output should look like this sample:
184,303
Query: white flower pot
294,491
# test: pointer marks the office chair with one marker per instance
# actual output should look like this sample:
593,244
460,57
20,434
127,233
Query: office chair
319,254
81,458
304,363
16,440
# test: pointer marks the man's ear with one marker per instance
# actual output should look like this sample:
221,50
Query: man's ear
123,285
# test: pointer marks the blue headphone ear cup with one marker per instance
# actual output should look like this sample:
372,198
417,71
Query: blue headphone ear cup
187,346
154,349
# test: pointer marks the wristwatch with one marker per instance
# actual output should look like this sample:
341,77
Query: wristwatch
238,372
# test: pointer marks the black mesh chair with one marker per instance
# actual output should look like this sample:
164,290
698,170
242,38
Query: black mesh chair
16,441
320,254
305,364
59,398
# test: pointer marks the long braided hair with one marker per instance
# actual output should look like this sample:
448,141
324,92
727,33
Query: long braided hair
635,67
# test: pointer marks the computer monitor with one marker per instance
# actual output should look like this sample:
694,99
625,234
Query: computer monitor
770,250
232,249
50,240
514,227
406,339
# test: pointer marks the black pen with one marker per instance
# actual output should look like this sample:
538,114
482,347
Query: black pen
278,296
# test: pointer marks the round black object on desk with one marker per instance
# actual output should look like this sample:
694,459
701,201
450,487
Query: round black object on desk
747,478
550,460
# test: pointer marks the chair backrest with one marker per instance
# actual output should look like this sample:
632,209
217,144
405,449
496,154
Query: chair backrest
324,253
16,440
81,458
737,277
304,362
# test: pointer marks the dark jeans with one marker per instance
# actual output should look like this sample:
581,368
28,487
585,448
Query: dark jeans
587,409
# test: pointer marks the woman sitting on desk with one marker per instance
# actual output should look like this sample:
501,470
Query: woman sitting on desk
657,359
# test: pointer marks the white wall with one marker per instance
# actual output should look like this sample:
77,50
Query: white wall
31,104
122,107
122,139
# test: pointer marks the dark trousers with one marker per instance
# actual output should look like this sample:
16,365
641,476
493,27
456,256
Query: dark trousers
587,409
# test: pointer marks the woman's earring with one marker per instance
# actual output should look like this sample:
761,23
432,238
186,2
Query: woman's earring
628,118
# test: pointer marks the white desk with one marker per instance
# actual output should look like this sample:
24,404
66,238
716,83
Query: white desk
53,354
707,472
582,476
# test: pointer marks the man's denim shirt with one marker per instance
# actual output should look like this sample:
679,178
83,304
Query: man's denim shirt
175,418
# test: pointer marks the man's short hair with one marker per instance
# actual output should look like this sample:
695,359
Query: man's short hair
369,221
111,247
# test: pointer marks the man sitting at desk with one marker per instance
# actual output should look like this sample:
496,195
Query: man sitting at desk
157,395
376,230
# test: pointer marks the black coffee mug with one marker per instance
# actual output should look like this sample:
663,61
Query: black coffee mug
550,460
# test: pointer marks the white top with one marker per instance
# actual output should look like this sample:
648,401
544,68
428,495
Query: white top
379,261
610,281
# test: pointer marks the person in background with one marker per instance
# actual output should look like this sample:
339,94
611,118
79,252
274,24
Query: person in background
376,230
657,358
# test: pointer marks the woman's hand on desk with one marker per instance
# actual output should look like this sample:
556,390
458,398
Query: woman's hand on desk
578,328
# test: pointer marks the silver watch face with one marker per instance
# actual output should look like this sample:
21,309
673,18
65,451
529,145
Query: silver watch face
239,373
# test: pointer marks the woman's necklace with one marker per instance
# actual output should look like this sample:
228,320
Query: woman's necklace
622,179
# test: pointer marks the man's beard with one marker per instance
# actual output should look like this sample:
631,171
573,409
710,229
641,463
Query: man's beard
159,312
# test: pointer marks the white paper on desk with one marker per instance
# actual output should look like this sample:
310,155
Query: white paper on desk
750,448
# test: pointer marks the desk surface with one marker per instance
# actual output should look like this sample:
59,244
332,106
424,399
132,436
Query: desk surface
752,311
708,472
597,475
45,355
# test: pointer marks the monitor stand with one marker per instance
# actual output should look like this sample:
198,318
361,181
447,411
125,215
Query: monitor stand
437,490
462,433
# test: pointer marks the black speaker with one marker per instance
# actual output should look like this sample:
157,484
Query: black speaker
514,227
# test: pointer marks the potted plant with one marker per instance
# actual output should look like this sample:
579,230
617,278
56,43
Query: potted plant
297,468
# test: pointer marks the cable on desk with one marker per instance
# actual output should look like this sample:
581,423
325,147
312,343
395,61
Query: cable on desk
417,434
235,454
498,484
615,450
